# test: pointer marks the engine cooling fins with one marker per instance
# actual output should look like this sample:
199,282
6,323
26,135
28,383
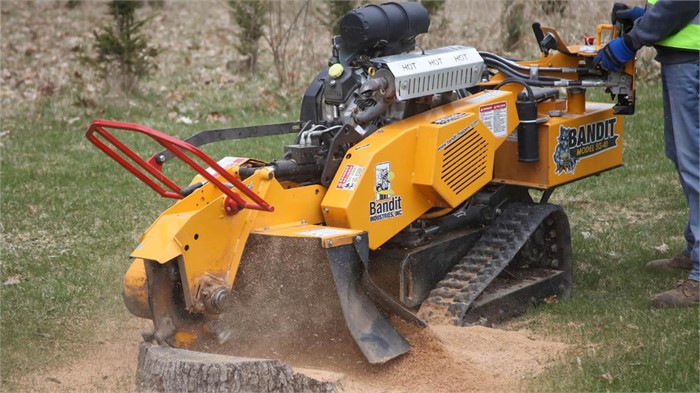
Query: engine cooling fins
527,239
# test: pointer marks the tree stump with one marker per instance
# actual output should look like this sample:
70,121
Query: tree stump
169,370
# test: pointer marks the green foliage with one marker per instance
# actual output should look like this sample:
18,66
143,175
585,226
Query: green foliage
331,11
513,20
251,19
123,52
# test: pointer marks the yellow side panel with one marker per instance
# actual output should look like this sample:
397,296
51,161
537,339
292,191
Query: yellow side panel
158,243
209,242
593,144
383,200
464,152
571,147
435,159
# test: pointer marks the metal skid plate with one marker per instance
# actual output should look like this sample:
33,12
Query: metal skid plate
434,71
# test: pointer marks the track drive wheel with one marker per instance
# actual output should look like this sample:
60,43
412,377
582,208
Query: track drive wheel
174,326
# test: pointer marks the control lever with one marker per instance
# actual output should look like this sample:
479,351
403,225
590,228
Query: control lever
545,42
621,24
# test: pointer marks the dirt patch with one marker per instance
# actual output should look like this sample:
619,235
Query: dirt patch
108,365
442,359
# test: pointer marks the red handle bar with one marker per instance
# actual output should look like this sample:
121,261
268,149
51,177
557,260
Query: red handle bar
234,201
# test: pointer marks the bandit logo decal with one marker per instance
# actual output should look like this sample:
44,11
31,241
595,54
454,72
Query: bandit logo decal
576,144
382,181
386,204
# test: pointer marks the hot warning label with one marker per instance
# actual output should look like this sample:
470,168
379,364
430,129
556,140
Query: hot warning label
495,117
349,178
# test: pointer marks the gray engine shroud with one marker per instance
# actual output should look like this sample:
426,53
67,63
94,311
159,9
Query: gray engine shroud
434,71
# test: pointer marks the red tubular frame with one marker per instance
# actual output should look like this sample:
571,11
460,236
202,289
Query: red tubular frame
234,202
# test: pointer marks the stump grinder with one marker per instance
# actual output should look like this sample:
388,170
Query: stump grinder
416,188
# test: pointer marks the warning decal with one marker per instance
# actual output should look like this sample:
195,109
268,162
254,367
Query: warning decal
349,177
495,117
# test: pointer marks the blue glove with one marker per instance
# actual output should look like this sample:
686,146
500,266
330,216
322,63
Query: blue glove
629,15
615,54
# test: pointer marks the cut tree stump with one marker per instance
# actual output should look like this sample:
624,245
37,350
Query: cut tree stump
177,370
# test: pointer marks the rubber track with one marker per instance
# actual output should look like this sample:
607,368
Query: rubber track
449,302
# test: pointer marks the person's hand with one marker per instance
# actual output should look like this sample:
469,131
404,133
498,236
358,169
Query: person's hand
628,15
614,55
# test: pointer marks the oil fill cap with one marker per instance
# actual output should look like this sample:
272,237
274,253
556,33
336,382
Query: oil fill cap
336,71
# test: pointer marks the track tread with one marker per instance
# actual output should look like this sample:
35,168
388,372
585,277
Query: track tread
499,244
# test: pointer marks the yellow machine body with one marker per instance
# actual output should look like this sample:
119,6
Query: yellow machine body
435,159
571,146
576,138
207,243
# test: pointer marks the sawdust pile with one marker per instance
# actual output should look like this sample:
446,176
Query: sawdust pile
454,359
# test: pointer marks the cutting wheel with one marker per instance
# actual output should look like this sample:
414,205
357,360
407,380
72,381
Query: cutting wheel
173,325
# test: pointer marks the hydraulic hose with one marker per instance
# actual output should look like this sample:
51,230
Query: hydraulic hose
531,96
514,73
517,72
526,69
